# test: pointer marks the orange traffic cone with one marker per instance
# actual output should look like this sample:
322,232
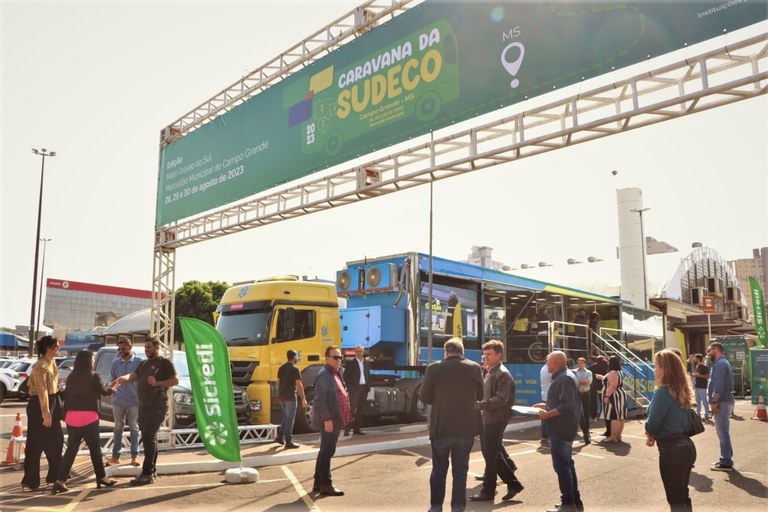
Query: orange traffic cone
761,413
17,432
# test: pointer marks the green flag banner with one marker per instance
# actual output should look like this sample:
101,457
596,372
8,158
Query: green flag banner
211,380
758,308
439,63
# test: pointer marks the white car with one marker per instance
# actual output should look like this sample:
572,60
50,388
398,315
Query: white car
9,384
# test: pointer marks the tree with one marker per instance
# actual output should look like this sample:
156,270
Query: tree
196,299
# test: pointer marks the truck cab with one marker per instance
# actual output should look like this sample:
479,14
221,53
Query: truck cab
261,321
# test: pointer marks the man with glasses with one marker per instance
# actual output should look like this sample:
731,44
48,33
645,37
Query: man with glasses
721,402
330,414
125,403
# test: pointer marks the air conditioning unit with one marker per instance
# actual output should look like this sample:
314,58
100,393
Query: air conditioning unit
381,277
733,295
350,280
713,286
697,295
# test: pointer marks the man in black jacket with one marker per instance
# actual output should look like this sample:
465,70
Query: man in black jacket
452,386
357,376
496,409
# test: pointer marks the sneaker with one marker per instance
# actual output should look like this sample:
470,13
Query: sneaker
722,467
135,462
291,444
142,480
112,462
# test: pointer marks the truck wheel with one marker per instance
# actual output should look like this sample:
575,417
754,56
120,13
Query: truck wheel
418,408
303,422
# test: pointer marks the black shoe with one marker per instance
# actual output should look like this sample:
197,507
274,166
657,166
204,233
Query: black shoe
291,444
346,433
483,496
568,507
606,434
57,488
330,490
279,440
316,487
104,482
512,490
142,480
722,467
587,440
480,478
359,432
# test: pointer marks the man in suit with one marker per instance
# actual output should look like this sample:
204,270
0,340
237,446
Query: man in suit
452,386
329,415
357,375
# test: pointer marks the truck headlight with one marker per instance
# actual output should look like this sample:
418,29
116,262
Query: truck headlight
183,398
255,405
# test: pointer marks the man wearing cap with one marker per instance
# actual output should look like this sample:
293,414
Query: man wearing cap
125,403
357,375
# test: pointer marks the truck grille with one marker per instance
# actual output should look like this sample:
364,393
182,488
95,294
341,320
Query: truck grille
242,371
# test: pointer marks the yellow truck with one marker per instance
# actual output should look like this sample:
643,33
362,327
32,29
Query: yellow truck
262,320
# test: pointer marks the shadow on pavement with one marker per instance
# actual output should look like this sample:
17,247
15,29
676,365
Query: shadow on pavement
153,500
752,486
700,482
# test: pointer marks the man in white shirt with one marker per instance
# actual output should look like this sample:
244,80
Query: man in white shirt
357,377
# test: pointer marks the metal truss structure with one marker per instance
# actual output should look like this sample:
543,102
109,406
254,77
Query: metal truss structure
349,26
700,82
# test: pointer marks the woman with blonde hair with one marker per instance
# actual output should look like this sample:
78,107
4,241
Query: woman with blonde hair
667,427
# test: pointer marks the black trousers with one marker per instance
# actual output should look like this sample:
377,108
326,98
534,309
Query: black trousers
497,461
585,407
676,459
357,397
40,439
150,420
89,433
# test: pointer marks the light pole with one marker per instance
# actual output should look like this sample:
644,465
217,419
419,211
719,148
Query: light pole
642,247
32,334
42,277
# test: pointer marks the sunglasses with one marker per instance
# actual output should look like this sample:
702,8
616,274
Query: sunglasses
338,358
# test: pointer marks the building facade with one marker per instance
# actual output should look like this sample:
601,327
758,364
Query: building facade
756,267
75,306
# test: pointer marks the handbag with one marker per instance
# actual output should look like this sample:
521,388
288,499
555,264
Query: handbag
696,426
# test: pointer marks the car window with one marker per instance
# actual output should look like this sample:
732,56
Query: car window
105,364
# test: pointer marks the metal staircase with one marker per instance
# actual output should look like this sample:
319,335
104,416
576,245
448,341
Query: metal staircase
634,367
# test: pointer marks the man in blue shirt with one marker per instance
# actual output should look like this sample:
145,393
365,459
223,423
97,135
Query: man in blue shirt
125,403
721,401
561,421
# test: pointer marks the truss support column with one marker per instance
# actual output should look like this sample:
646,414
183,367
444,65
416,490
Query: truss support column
163,304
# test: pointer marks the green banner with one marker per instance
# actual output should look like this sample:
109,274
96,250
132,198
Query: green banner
758,310
438,63
211,378
758,365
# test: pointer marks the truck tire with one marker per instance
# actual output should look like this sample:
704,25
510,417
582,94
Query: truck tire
418,408
303,422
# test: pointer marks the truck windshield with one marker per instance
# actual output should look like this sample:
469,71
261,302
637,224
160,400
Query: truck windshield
244,328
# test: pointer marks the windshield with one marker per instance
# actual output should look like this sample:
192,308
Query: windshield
244,328
180,363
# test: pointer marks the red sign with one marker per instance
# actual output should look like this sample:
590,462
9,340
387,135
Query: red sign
708,304
97,288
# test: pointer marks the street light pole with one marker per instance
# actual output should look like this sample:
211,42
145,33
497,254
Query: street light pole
32,334
42,277
642,247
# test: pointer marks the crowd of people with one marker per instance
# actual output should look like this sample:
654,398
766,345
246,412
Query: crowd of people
467,399
140,390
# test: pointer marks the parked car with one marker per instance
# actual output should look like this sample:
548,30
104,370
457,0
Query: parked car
65,368
183,401
9,384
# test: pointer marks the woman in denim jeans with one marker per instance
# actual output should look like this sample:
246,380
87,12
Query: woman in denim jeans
667,427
